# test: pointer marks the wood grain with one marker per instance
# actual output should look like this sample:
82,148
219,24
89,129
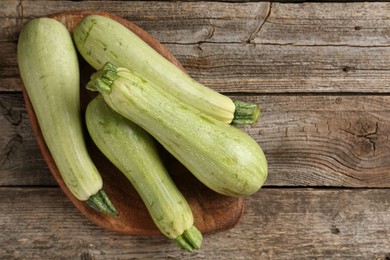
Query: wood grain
304,223
357,24
333,24
161,17
308,140
325,140
258,48
231,68
19,152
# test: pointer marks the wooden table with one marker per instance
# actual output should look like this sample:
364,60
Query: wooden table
321,74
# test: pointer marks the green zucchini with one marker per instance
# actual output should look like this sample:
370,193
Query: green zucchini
100,39
223,157
132,150
49,69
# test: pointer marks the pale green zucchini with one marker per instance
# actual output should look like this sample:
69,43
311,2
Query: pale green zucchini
100,39
221,156
132,150
49,69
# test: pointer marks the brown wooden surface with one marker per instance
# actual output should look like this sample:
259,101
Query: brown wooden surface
309,140
321,74
289,224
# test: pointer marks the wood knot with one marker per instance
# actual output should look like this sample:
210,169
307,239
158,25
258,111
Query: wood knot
12,114
334,230
86,256
347,68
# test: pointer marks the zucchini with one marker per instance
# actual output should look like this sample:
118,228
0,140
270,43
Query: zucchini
49,70
101,39
132,150
223,157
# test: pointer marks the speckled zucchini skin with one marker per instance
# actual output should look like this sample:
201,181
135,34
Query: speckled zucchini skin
132,150
100,39
223,157
49,69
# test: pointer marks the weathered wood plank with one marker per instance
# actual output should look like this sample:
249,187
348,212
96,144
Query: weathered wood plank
254,49
349,24
21,162
308,140
9,73
246,68
361,24
326,140
278,224
231,68
172,20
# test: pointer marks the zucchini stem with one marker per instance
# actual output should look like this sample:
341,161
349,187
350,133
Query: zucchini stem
102,79
190,240
102,203
245,113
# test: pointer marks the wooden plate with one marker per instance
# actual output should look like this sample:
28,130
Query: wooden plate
212,212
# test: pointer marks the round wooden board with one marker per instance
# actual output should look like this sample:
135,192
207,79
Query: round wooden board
212,212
